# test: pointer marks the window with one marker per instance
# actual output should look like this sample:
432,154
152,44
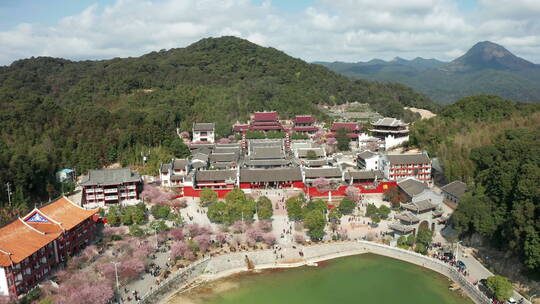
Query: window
18,278
43,260
28,270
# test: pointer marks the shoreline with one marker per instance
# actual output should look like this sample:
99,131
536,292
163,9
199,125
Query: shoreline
231,264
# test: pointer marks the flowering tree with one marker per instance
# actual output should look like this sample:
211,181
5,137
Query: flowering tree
343,234
108,230
265,225
184,134
254,235
238,227
269,239
84,288
189,255
177,234
221,238
331,141
204,242
193,229
150,192
321,183
178,204
353,193
224,141
143,251
178,249
130,269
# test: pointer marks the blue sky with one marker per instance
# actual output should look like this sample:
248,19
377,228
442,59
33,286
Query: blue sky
343,30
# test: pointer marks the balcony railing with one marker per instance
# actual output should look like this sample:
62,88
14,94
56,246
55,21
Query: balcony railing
111,197
113,190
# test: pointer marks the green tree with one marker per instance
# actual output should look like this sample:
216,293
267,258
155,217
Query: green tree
316,204
217,212
424,236
179,149
264,208
402,241
500,286
294,208
315,222
384,211
343,140
421,248
411,239
311,154
113,216
136,230
160,211
334,215
346,206
158,225
208,197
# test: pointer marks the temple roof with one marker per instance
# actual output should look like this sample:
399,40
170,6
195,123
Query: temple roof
203,126
389,122
417,158
110,177
412,186
455,188
270,175
323,172
265,116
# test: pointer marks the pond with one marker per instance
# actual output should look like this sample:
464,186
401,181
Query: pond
366,278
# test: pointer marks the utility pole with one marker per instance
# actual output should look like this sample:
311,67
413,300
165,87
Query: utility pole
117,283
8,185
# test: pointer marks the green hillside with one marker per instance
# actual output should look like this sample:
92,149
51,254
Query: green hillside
58,113
494,145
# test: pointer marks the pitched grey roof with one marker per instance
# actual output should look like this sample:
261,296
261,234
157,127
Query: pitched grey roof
366,154
419,206
223,157
407,217
389,122
215,175
455,188
179,163
219,149
266,153
203,126
303,152
202,150
401,227
412,186
371,174
110,177
200,156
266,162
322,172
315,162
270,175
165,167
417,158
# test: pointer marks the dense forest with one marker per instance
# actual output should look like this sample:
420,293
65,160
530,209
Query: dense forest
58,113
494,145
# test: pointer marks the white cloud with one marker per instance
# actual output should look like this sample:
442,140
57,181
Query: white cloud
347,30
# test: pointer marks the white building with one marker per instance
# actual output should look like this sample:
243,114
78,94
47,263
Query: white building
393,131
368,160
172,174
204,132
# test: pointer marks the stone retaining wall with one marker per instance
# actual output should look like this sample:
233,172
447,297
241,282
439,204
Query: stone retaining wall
224,265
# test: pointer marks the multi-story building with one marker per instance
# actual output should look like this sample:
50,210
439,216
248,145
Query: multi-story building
216,179
304,124
172,174
261,121
204,132
109,186
352,129
368,160
397,167
393,131
33,246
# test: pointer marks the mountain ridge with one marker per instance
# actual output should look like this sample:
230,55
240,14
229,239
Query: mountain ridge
486,68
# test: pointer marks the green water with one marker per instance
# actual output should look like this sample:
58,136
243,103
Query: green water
357,279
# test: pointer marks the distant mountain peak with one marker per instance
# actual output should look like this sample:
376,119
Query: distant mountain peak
488,55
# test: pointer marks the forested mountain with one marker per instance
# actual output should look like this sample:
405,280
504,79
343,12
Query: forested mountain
494,145
58,113
487,68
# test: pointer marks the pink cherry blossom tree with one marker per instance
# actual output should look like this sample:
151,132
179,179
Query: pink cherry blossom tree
321,183
269,238
204,242
299,238
193,229
177,234
265,225
221,238
353,193
184,134
178,249
224,141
